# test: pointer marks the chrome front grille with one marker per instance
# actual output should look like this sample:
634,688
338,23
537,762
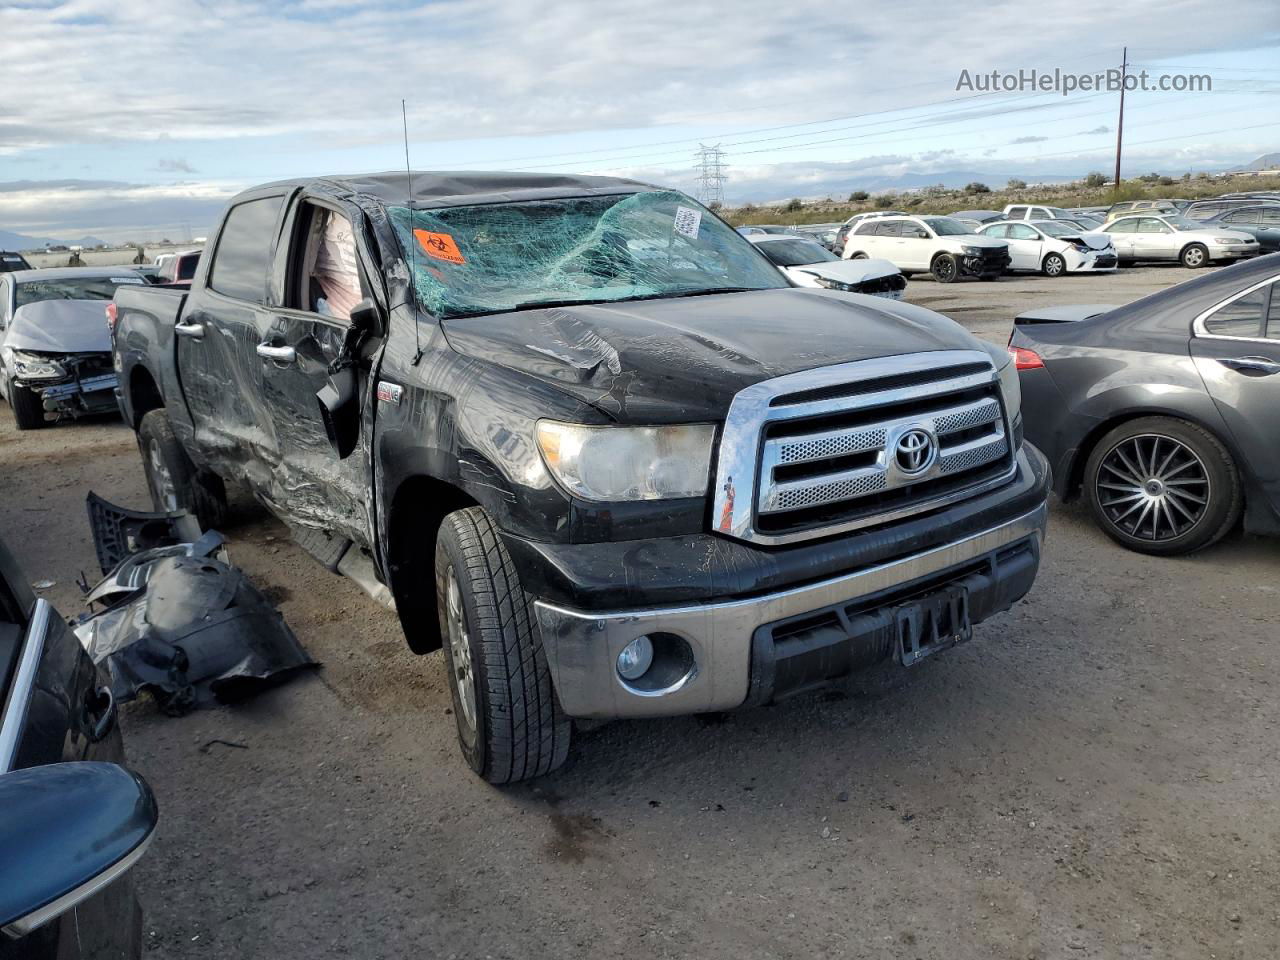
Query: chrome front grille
860,444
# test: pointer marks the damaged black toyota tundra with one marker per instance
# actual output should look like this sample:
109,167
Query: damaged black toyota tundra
584,435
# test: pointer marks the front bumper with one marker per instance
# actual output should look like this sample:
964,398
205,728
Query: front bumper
88,395
753,649
983,265
1220,251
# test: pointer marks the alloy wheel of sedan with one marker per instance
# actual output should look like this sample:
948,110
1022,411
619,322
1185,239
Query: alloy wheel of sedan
1153,487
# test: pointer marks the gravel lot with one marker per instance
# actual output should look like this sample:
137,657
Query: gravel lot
1094,776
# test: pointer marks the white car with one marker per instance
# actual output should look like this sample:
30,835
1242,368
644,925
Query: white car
1028,211
941,246
809,264
1053,248
1171,237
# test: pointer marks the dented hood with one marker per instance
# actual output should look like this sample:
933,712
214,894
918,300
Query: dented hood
683,359
60,326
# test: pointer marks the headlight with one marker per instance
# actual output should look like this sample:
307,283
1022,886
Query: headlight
971,251
1227,240
614,464
832,284
30,366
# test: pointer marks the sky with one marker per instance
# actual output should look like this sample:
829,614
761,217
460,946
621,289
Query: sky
137,119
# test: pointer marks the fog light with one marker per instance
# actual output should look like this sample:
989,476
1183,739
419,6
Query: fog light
635,659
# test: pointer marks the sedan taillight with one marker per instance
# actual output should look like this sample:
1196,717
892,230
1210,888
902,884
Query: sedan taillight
1024,359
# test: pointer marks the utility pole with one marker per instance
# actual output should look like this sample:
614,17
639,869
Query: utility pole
709,166
1124,70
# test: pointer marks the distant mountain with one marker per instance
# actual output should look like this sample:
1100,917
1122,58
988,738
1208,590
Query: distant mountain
89,241
1268,161
18,241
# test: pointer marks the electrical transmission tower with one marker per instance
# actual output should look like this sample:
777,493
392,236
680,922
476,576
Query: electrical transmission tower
710,167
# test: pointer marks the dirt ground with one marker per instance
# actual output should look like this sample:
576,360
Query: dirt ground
1095,775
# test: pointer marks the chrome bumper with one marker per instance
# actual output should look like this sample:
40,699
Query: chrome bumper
582,647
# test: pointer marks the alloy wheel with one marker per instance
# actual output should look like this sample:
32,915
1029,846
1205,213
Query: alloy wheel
460,648
1153,487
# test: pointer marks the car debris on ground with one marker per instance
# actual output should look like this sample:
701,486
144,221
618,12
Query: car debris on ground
177,620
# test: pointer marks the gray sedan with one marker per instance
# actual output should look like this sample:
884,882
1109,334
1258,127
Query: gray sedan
1162,413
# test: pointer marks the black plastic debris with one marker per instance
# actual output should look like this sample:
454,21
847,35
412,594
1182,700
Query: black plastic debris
118,533
181,622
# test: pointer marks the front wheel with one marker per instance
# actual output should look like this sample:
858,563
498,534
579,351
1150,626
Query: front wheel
1194,255
859,256
510,724
1163,486
1054,265
172,478
28,408
945,269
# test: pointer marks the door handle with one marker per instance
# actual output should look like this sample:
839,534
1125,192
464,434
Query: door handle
1257,366
193,330
278,354
99,712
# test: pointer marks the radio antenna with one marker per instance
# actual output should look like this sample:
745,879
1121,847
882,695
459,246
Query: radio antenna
413,240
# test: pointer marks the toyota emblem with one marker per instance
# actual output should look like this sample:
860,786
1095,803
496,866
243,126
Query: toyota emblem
915,451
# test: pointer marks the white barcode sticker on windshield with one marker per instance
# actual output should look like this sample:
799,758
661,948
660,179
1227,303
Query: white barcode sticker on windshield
687,221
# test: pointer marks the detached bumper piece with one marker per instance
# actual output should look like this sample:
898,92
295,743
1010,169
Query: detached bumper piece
721,655
179,620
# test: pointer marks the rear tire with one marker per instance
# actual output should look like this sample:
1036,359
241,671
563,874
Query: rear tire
1194,255
173,480
1163,486
510,724
28,408
858,256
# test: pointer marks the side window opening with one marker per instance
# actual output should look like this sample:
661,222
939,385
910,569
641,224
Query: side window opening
329,279
1242,317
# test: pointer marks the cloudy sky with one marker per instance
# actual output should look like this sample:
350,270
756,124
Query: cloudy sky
136,118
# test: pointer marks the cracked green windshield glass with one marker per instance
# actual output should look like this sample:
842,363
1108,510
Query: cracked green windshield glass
490,258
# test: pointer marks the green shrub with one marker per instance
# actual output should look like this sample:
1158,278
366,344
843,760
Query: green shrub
859,196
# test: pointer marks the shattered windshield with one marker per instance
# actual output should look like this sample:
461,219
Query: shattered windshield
491,258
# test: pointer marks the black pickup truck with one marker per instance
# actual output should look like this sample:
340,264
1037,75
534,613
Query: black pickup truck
582,434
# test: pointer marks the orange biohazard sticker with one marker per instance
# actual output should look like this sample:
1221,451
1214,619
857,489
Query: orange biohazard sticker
439,245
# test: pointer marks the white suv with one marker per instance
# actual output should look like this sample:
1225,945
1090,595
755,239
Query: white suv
942,246
1027,211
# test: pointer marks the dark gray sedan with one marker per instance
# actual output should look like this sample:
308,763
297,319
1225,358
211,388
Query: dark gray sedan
1164,413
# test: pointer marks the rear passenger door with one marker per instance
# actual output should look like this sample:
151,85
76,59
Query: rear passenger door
1236,349
217,340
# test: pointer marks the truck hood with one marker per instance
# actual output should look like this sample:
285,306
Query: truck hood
683,359
849,271
60,326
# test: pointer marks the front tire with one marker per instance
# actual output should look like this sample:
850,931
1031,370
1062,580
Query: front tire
1195,255
28,408
1163,486
510,724
172,478
858,256
944,268
1054,265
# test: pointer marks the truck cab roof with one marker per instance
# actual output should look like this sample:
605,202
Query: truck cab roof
462,188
